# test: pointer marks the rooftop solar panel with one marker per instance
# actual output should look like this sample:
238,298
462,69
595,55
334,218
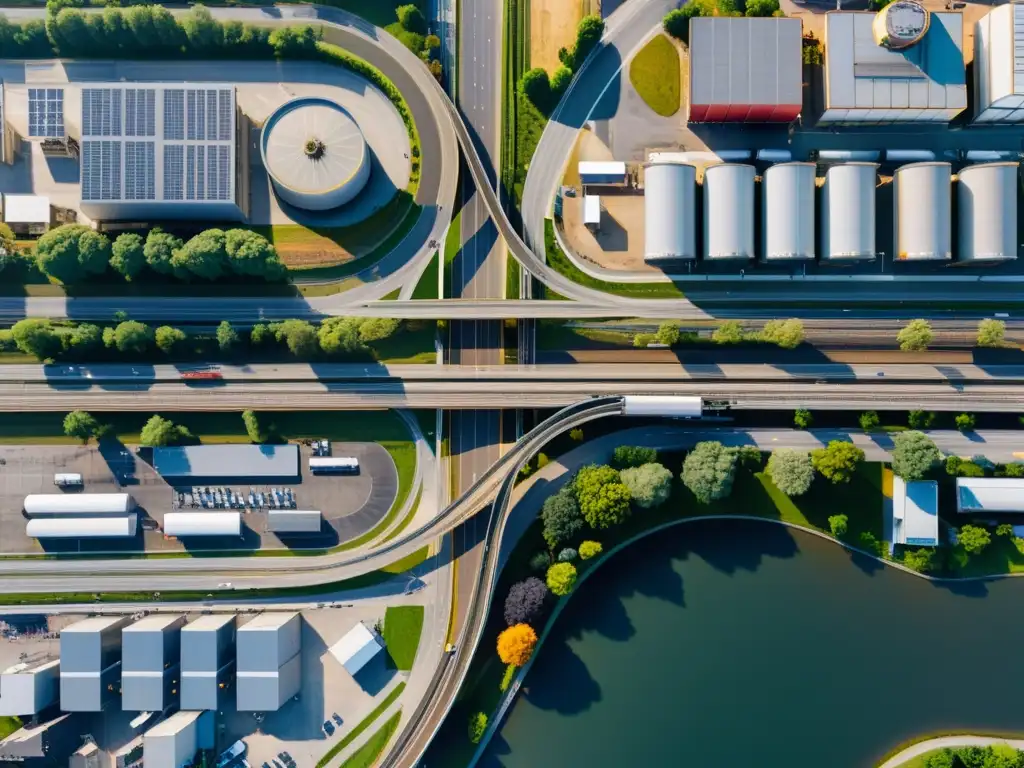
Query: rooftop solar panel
46,113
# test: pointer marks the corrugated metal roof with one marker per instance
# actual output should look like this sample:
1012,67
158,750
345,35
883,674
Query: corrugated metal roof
203,524
990,494
81,527
217,461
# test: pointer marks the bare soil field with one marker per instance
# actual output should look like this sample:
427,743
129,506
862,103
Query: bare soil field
552,26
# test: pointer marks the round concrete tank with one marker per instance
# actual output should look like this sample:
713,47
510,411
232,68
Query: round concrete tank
900,25
987,199
923,212
729,211
788,222
314,153
670,193
848,212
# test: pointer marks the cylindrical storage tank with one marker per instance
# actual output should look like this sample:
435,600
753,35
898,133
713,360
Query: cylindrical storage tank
670,190
848,212
314,153
848,155
923,212
729,211
987,199
788,205
94,504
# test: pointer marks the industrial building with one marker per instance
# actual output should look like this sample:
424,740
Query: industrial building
27,214
987,212
915,512
729,211
922,200
186,524
269,661
848,212
314,153
592,212
990,494
904,64
999,65
788,205
73,527
357,648
207,660
49,740
173,743
294,521
150,653
745,70
27,688
609,173
159,151
227,462
670,211
81,504
90,663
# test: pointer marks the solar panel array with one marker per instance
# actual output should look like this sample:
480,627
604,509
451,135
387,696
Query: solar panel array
101,169
46,113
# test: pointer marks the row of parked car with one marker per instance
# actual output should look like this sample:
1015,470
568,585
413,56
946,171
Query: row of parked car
229,498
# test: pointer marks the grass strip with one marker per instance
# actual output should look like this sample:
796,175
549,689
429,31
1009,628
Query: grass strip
426,288
349,737
9,725
654,73
366,756
452,246
403,625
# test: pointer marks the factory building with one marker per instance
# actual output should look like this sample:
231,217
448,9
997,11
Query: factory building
987,212
904,64
922,201
269,661
294,521
227,462
150,652
314,153
173,743
188,524
670,205
729,211
999,65
848,212
745,70
90,663
26,689
357,648
207,660
160,151
788,205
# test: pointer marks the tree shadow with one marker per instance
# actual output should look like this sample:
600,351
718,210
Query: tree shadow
577,690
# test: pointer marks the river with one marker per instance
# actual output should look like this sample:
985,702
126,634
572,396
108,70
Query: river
735,643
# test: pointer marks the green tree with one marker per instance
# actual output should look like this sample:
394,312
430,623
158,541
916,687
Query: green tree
708,471
633,456
869,421
158,432
80,425
920,419
561,578
649,484
7,241
38,338
204,256
84,340
788,334
227,337
260,335
340,335
838,461
991,333
160,246
128,255
811,52
58,255
838,525
589,549
913,455
298,335
729,332
602,497
294,42
560,81
373,329
588,35
668,334
802,418
561,518
915,336
168,338
791,471
1013,469
973,538
677,22
411,19
965,422
763,8
94,252
921,560
642,340
576,435
251,255
252,426
944,758
970,469
204,34
1004,529
477,727
535,86
133,337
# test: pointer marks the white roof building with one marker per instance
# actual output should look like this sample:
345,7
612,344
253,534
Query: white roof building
592,210
357,648
95,504
729,211
915,512
28,688
990,494
184,524
26,209
670,211
82,527
987,203
848,212
999,65
923,212
788,205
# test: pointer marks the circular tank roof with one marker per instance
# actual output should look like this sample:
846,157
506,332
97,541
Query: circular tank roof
901,24
312,145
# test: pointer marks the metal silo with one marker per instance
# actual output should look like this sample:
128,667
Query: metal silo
729,211
788,205
923,212
670,189
987,199
848,212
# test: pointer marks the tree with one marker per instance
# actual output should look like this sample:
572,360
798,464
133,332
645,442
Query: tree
642,340
588,35
920,419
252,255
602,497
973,538
293,42
944,758
516,644
837,461
128,255
560,81
869,421
729,332
535,86
838,524
81,425
668,334
965,422
84,340
159,431
561,518
913,455
788,334
298,335
589,549
93,252
561,578
576,435
7,240
991,333
58,255
260,335
811,52
169,338
411,19
763,8
1013,469
677,24
204,256
649,484
205,35
477,727
340,335
633,456
436,69
915,336
252,426
540,562
1004,529
802,418
791,471
227,337
969,469
132,337
708,471
525,601
160,246
921,560
38,338
567,555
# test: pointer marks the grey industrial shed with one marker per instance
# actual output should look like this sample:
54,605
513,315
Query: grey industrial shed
210,462
207,660
150,653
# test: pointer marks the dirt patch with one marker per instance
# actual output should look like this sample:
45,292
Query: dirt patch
314,254
552,26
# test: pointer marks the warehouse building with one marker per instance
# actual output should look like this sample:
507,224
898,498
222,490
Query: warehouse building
357,648
78,504
987,212
729,211
50,740
173,743
188,524
904,64
159,151
999,65
284,521
26,689
990,494
922,199
207,661
670,211
745,70
848,212
73,527
269,661
607,173
915,512
151,650
208,463
788,206
90,663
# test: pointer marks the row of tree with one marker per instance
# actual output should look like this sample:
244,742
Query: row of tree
412,30
994,756
156,432
543,90
677,21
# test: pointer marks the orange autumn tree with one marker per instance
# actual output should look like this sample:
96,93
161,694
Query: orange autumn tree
516,644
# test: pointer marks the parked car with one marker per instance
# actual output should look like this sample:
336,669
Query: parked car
328,727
